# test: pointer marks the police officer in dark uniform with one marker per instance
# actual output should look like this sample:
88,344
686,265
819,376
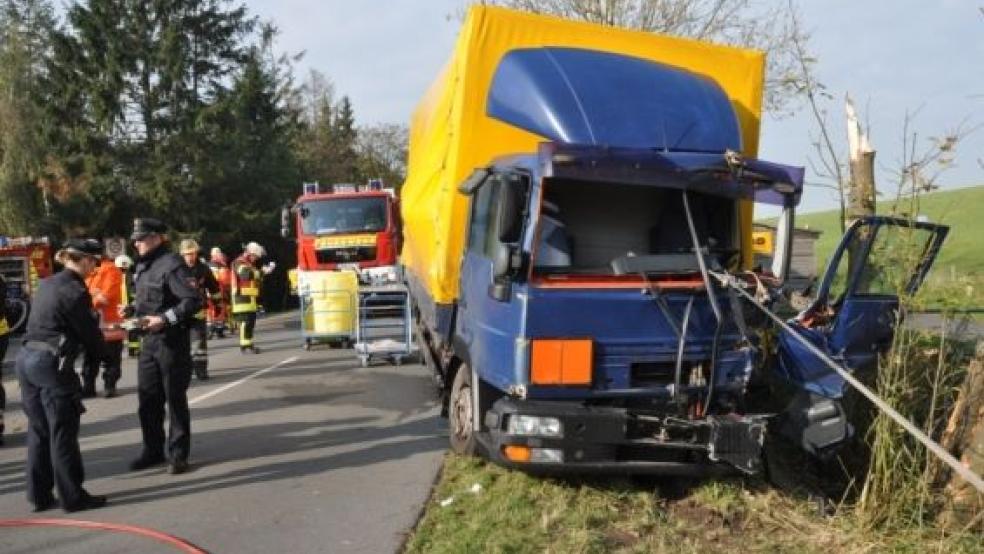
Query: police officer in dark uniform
61,324
166,301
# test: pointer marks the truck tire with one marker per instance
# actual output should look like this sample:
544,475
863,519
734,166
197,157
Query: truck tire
461,414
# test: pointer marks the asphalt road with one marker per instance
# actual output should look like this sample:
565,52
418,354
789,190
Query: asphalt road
292,451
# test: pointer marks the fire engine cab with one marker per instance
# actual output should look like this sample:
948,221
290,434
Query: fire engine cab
24,261
343,226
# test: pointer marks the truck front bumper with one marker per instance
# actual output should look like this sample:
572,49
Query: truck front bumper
603,439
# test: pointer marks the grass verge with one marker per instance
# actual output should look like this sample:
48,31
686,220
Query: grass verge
479,507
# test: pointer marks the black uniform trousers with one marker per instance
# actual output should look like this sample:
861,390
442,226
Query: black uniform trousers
163,376
53,407
112,370
199,335
199,339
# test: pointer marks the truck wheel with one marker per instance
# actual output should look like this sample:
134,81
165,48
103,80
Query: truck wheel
461,414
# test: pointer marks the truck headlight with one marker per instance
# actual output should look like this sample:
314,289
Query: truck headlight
527,425
547,455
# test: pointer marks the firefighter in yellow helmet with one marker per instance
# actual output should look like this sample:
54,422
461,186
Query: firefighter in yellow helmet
246,279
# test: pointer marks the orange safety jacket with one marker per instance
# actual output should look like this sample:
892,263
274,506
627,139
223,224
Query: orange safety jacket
218,307
105,285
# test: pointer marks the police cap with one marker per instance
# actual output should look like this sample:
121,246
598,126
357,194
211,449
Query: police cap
89,247
144,226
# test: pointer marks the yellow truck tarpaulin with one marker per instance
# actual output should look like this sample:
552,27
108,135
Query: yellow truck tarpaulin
451,135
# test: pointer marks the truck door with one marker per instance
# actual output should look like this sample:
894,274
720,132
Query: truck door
486,327
854,315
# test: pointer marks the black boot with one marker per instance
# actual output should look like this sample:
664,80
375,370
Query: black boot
89,502
146,460
44,504
200,364
89,390
177,466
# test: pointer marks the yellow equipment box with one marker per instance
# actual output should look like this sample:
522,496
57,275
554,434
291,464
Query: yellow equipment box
329,301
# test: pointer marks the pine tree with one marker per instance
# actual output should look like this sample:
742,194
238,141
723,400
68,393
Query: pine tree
344,141
25,43
132,80
256,168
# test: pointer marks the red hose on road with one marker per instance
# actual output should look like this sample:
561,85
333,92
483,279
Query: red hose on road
170,540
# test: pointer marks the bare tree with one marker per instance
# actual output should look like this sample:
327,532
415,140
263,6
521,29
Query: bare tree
923,162
382,150
765,25
826,164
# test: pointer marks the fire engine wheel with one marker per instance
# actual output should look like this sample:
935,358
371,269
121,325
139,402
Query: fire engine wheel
17,312
461,414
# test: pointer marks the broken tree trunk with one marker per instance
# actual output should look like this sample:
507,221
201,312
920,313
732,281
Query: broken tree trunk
861,190
964,438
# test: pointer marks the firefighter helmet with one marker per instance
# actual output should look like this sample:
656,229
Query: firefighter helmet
254,249
123,261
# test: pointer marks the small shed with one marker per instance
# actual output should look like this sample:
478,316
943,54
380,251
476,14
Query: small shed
803,266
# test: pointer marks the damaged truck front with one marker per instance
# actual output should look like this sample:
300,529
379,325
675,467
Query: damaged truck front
575,196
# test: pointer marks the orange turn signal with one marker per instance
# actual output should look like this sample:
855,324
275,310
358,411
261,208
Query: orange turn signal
561,361
516,453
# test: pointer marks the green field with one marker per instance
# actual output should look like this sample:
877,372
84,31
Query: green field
957,278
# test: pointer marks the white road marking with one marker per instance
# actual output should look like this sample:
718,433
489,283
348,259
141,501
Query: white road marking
257,373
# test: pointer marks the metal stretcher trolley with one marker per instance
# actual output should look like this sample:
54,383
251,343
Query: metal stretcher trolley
385,326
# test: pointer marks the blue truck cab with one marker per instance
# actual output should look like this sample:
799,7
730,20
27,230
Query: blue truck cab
592,331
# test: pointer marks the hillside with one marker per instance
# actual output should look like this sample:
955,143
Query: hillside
961,262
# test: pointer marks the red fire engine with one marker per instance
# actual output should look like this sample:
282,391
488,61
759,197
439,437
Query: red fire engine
345,227
24,261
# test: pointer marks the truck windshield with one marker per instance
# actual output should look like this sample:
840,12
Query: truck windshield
585,226
343,215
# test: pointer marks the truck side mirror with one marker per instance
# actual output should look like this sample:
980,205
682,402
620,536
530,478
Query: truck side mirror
782,253
502,269
285,222
512,203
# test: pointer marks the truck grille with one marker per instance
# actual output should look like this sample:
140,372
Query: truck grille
647,374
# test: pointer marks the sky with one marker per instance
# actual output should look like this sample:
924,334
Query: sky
922,57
